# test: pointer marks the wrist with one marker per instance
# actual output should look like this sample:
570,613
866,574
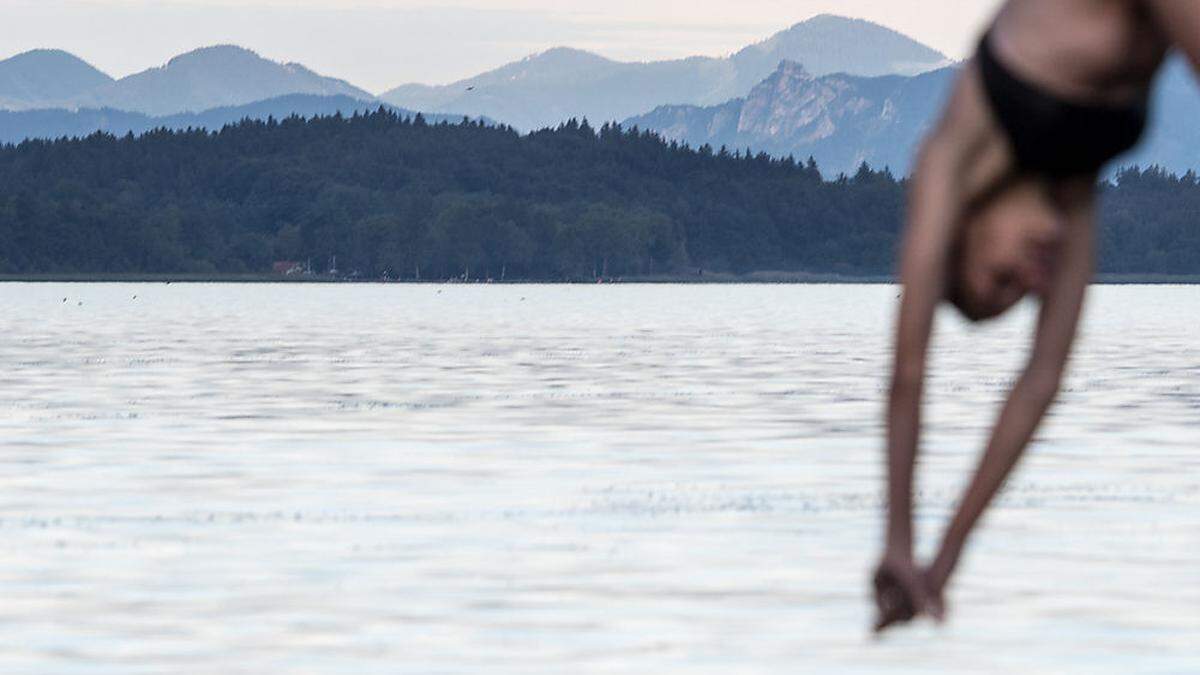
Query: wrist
898,550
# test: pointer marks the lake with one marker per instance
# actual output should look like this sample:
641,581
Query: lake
541,479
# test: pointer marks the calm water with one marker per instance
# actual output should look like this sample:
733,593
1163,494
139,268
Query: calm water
641,479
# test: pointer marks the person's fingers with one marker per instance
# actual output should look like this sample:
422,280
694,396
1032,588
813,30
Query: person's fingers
926,598
892,601
891,609
937,609
889,618
910,584
935,604
895,602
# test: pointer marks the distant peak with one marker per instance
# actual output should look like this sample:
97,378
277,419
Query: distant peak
222,48
566,54
834,18
835,22
44,55
561,51
831,41
214,51
53,63
42,52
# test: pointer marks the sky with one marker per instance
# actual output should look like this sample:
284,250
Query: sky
379,44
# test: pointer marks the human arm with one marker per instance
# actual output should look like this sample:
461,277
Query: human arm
932,212
1179,20
933,209
962,159
1036,388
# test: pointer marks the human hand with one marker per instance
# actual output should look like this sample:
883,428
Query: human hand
903,591
935,578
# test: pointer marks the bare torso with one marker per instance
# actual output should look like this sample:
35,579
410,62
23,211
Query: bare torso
1102,51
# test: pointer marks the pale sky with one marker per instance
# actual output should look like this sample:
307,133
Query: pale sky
378,44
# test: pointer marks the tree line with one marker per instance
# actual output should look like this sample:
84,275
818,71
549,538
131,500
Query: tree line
395,196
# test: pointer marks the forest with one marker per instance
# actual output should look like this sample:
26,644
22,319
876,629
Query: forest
389,196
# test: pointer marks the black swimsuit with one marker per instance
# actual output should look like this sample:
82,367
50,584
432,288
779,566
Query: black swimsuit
1051,136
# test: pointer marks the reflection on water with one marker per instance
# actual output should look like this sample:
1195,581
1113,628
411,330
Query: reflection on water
355,479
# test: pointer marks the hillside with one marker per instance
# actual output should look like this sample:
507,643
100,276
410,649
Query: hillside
388,194
396,196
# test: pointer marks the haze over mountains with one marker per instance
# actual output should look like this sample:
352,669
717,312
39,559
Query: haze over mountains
18,125
550,87
542,90
844,91
199,80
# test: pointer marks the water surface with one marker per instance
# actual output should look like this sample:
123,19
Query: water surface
643,479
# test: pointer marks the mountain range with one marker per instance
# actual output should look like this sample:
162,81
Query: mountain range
203,79
212,77
19,125
844,91
839,119
71,97
542,90
843,121
561,83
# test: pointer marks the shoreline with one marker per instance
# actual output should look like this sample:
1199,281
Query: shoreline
797,278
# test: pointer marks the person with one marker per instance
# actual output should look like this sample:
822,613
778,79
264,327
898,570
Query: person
1002,206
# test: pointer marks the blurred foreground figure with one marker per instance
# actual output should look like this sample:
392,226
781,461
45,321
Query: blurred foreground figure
1002,205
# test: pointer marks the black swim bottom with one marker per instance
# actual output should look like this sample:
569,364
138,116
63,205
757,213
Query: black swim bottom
1051,136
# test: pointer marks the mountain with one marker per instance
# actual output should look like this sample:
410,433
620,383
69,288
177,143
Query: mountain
548,88
553,86
212,77
44,77
829,44
843,121
17,126
840,120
